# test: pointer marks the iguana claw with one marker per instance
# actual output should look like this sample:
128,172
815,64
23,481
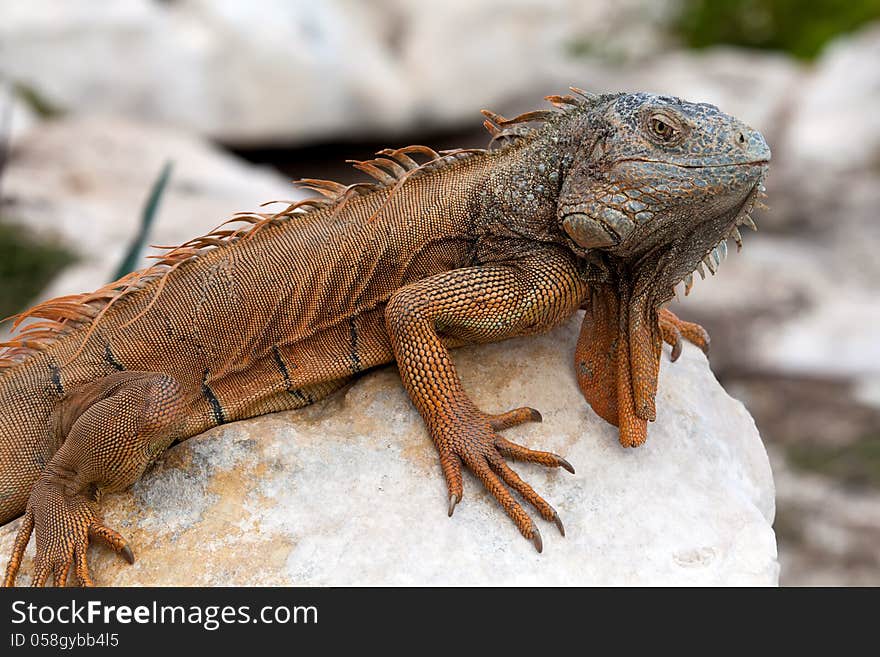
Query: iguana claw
559,524
479,448
453,501
63,524
536,539
565,465
674,330
514,418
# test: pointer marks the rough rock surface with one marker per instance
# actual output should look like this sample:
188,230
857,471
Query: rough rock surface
349,491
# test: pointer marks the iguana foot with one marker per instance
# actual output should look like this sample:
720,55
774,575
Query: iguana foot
63,524
476,443
674,329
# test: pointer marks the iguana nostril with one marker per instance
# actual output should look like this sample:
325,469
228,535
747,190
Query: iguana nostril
753,143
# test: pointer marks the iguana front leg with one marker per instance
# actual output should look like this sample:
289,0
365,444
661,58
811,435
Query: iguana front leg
674,329
611,358
480,304
113,429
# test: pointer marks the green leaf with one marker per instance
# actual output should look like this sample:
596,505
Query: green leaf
132,257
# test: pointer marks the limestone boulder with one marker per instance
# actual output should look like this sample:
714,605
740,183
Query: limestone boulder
836,126
349,491
282,71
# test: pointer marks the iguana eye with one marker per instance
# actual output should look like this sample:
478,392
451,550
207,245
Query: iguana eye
661,128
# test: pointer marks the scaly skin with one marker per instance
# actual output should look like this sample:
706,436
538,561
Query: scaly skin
606,204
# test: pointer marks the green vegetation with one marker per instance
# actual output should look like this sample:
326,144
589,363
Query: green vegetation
148,216
605,51
26,267
43,108
856,464
799,28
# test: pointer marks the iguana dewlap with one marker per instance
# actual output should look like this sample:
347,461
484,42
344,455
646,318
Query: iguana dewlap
604,203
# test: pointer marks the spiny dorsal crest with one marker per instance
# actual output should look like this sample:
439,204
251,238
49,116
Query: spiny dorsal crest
391,170
504,130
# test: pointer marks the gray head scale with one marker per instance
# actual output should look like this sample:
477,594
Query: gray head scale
656,173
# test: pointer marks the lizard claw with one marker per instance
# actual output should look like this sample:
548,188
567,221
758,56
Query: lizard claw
559,524
676,349
112,538
453,501
514,418
63,524
536,539
565,465
484,454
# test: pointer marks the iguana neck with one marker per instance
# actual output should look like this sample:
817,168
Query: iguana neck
520,194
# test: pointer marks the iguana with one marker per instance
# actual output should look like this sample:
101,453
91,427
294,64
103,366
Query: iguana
601,202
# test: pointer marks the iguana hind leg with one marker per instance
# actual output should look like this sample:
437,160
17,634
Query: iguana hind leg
113,427
480,304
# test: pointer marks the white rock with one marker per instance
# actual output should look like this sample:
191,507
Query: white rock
17,119
836,122
341,68
281,70
261,69
460,55
804,307
349,491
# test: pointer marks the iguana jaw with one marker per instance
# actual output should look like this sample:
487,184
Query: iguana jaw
640,206
701,241
678,239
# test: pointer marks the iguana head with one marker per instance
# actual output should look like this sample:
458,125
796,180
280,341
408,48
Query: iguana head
654,189
655,175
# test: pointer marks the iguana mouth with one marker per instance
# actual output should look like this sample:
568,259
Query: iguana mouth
760,162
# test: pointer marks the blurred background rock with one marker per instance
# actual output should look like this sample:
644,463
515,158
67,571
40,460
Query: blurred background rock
243,95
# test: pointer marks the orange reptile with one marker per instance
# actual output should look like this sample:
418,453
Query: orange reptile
602,202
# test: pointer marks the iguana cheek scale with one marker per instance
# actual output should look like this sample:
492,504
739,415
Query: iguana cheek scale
604,203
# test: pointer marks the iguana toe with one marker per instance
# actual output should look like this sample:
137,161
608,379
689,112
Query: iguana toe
675,329
112,538
63,523
483,452
514,418
519,453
